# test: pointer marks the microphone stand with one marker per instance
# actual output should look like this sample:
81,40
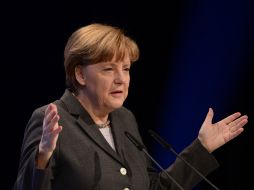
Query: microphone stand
169,147
142,148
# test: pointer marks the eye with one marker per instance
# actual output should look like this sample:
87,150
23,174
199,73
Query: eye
127,69
108,69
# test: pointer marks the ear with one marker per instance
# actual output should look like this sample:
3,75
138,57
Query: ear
79,74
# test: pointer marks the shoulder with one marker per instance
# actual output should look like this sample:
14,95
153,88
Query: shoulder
40,111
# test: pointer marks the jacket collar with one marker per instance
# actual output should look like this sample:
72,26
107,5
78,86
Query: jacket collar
87,124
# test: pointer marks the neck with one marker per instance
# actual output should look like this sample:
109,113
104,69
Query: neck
98,116
104,125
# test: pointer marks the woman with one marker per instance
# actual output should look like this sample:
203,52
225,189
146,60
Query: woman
79,142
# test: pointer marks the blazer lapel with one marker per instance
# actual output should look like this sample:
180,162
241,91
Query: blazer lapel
118,133
95,135
87,124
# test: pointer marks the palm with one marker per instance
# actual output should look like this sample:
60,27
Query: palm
51,129
212,136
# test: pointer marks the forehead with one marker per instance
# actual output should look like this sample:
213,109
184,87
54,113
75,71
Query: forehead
124,61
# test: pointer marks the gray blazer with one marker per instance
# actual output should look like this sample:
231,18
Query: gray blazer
83,159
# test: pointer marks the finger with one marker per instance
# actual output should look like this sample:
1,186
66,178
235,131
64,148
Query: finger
54,135
238,120
50,107
236,133
209,116
57,130
54,122
50,115
242,121
230,118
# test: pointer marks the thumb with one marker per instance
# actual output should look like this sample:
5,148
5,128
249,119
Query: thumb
209,116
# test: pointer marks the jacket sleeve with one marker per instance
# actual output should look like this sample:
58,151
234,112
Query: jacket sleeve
29,177
197,156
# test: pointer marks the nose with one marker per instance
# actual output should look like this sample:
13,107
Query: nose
121,77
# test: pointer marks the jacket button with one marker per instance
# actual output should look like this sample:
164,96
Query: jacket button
123,171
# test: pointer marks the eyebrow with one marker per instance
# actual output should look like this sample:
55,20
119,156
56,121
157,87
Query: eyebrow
115,64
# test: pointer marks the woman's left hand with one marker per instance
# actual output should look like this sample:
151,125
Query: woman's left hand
212,136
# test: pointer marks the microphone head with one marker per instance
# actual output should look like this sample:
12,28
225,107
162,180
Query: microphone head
159,139
134,141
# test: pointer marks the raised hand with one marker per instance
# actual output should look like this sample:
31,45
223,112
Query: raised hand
51,130
212,136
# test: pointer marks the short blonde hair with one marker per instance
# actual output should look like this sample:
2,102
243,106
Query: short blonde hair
96,43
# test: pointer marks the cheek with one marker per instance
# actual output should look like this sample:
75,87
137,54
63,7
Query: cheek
127,84
104,87
128,81
99,88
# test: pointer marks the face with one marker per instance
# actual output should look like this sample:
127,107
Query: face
107,84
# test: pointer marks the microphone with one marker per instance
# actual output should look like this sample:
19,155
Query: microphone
142,148
169,147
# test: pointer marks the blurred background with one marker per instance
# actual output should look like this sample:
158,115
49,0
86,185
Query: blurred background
194,55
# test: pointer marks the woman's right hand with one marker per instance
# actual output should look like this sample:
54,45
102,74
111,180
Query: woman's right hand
50,132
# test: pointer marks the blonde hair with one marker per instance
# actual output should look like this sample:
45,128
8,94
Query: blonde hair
93,44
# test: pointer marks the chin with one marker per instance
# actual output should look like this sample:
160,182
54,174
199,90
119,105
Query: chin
116,105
